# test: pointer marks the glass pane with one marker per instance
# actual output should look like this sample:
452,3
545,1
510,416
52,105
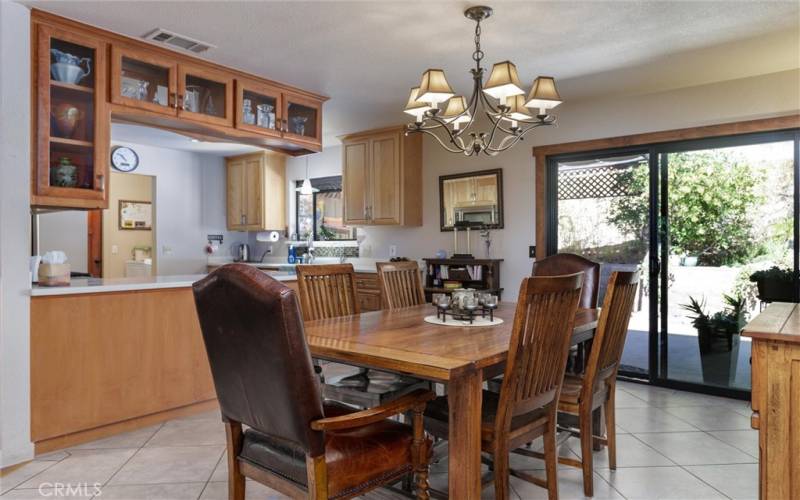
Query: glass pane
144,82
603,215
204,96
71,166
305,216
330,213
730,214
71,64
259,110
302,120
71,113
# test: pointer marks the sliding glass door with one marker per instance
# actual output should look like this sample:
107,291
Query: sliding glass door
699,218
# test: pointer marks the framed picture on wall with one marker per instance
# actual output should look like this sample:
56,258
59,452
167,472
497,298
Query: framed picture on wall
135,215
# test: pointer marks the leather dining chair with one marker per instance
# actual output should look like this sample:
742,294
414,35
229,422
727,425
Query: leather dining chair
264,379
329,291
596,387
526,406
400,284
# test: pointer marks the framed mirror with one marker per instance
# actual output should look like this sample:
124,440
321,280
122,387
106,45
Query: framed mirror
473,197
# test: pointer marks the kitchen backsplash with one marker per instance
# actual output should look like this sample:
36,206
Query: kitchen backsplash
327,251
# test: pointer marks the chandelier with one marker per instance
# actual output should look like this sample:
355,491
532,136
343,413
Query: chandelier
502,100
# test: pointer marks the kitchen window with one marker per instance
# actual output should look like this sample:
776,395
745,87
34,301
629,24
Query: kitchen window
321,214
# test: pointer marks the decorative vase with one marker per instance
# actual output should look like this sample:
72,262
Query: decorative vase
67,67
65,174
66,117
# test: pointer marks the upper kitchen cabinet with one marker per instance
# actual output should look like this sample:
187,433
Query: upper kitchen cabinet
205,95
141,80
256,192
259,107
302,119
71,123
382,178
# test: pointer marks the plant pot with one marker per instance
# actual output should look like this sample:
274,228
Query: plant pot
719,363
689,261
776,290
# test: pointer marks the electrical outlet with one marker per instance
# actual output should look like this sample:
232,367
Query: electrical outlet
165,250
532,251
114,249
392,250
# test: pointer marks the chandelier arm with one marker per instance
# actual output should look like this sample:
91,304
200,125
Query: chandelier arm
441,143
517,138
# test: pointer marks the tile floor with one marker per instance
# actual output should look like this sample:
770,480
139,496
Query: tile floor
671,445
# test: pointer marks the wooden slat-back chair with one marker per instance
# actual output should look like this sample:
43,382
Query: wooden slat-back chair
327,291
581,395
526,405
400,284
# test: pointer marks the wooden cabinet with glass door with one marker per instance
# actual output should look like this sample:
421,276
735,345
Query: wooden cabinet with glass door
302,119
72,129
144,81
258,108
205,95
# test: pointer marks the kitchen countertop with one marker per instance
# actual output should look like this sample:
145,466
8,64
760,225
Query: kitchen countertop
100,285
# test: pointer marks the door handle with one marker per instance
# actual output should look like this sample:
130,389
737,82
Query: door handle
101,179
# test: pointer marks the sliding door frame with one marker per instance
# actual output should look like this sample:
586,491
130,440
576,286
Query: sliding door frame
657,145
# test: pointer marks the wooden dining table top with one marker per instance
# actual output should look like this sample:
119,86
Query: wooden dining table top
402,341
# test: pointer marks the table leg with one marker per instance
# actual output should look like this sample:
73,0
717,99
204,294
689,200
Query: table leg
464,462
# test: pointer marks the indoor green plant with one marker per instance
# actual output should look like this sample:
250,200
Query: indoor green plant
776,284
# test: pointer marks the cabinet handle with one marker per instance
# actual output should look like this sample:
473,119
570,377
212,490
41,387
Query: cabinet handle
179,102
172,101
243,219
102,180
285,124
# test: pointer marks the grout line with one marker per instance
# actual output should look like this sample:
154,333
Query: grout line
214,469
131,457
704,482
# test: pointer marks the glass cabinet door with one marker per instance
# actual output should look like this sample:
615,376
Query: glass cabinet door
143,81
302,119
72,137
258,108
205,95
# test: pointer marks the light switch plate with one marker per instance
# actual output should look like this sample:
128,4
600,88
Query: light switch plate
114,249
392,250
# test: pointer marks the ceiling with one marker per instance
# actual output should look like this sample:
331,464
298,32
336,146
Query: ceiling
151,136
366,55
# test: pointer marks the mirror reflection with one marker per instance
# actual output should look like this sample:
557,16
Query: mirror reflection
472,197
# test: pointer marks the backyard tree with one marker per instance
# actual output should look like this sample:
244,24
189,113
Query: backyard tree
711,198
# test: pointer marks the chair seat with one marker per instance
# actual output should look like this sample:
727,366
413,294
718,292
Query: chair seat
437,416
356,458
571,391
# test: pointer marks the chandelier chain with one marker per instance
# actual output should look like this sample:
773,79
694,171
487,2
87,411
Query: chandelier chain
478,54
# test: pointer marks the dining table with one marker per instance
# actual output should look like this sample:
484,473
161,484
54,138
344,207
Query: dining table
461,357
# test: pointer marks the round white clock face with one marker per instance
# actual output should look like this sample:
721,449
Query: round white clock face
124,159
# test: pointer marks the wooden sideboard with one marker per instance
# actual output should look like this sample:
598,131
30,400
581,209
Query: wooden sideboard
776,398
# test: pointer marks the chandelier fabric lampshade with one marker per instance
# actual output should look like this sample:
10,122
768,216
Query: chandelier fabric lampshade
434,89
456,111
414,107
544,94
516,109
503,81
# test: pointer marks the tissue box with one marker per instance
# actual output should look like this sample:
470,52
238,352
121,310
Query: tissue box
54,274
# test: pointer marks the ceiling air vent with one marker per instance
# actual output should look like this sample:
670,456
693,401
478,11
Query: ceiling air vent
178,41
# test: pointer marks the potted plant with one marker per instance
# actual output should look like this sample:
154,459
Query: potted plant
718,337
776,284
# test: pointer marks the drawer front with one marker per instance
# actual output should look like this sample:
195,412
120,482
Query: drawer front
369,302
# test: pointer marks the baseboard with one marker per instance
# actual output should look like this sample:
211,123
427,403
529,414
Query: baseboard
76,438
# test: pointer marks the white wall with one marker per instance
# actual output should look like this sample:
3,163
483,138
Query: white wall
15,445
744,99
190,205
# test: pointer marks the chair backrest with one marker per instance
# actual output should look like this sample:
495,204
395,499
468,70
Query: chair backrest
258,354
540,341
568,263
612,328
327,291
400,284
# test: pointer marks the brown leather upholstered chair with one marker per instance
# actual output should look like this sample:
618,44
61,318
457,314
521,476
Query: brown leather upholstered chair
526,406
568,263
264,379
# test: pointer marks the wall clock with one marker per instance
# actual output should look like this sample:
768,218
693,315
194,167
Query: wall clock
124,159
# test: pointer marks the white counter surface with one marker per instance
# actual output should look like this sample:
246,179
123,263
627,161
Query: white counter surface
99,285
